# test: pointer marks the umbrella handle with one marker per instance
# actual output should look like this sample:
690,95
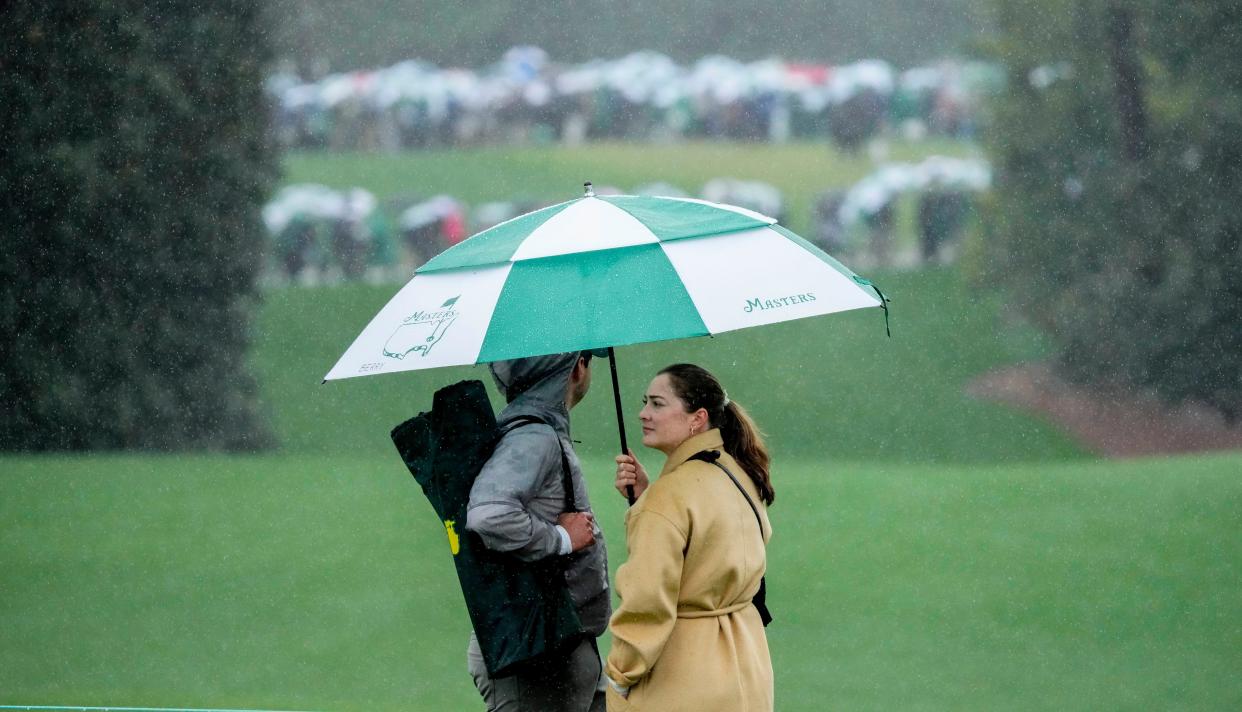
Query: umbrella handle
616,396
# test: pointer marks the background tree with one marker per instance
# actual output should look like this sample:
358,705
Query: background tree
135,162
1119,161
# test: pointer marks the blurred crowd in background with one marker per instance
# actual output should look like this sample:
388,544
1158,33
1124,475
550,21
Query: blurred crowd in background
322,235
527,98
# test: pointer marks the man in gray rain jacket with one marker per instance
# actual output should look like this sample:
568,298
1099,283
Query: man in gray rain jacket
517,506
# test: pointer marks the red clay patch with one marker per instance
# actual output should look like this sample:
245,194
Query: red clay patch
1112,423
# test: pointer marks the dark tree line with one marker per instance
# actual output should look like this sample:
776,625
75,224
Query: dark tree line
135,160
369,33
1119,155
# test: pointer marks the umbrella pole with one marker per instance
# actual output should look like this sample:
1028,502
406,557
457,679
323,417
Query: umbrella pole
616,395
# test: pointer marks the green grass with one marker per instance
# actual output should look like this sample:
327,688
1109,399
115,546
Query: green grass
931,551
299,582
555,174
833,387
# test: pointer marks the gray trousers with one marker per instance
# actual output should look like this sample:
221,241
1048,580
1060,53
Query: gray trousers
575,683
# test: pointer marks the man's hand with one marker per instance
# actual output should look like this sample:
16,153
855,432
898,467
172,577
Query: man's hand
581,528
630,473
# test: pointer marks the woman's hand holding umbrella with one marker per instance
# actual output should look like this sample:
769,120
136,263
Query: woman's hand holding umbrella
630,473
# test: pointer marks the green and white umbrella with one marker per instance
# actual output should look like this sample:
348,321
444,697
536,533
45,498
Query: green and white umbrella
597,272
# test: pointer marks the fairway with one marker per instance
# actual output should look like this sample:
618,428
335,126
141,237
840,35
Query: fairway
324,583
833,387
930,551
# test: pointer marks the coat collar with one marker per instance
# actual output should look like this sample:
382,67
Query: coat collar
706,440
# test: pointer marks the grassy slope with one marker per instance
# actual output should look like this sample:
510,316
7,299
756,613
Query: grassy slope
830,386
834,386
915,564
295,582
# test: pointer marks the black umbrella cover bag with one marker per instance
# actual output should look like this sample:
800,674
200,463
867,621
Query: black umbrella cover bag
521,611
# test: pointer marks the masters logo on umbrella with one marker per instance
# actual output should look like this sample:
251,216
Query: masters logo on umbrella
420,331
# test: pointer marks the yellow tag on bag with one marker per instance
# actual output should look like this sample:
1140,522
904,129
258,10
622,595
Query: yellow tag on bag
454,544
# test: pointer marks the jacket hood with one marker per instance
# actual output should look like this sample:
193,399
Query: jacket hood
535,386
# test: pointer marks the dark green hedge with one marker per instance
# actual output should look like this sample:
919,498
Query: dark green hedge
135,162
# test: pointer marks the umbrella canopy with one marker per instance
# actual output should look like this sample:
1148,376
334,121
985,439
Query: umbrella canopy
597,272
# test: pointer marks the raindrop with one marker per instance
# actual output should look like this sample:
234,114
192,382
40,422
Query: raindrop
1073,188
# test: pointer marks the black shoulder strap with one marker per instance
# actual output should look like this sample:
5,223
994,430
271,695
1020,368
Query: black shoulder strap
567,478
713,457
761,598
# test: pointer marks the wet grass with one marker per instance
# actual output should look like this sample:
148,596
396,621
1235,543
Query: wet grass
322,583
931,552
833,387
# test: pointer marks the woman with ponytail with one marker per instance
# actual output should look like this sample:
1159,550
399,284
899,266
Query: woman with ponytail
689,633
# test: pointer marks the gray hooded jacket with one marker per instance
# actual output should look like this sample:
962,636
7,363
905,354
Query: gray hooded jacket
518,495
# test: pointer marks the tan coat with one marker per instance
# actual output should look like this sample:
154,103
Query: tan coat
686,636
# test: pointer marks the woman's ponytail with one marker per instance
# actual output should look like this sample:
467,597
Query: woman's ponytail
698,388
745,443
